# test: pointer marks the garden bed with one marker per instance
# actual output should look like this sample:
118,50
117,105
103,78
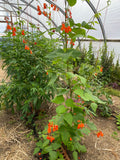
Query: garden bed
16,141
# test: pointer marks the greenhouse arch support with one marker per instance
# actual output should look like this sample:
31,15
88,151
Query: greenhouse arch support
27,14
98,18
36,10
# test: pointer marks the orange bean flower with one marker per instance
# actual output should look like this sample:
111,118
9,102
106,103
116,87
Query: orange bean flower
70,139
63,27
30,51
45,13
101,69
52,5
71,42
80,126
14,29
9,27
55,128
22,32
100,134
24,41
68,29
54,8
50,138
39,13
38,8
44,5
26,47
13,33
49,129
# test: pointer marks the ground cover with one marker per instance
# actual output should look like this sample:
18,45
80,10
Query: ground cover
17,141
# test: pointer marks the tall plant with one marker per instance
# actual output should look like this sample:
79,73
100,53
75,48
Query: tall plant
23,54
70,124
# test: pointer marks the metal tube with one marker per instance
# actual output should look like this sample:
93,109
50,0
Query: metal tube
98,18
27,14
36,10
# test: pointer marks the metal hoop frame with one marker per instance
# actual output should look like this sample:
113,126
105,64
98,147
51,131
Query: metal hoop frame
61,10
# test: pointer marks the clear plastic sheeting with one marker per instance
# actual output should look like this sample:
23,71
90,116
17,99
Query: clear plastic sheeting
110,16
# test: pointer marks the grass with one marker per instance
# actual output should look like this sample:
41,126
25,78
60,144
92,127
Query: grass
113,92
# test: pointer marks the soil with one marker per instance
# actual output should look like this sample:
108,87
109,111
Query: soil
16,142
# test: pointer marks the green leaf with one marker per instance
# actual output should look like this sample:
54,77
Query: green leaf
78,116
62,91
72,2
65,136
71,22
83,148
86,25
39,144
78,32
46,142
94,106
81,93
96,99
69,103
58,99
91,125
35,100
91,37
52,80
83,80
70,75
68,118
47,149
89,96
36,150
60,109
85,131
53,155
79,147
55,146
75,155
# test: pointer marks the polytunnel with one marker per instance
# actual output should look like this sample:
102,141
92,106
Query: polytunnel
59,79
107,23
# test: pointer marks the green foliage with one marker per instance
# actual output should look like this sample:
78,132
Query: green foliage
115,136
72,2
112,91
70,114
115,76
34,80
106,63
118,121
29,84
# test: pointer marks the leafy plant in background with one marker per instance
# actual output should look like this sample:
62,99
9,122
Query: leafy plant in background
26,65
115,77
107,64
118,121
